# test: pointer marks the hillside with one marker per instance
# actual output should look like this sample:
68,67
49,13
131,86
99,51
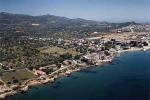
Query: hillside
52,26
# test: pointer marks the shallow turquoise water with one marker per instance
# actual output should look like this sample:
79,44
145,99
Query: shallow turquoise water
126,78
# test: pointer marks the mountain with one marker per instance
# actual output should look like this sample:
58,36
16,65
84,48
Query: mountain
52,26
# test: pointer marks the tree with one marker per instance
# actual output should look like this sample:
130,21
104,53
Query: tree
106,53
15,81
145,43
66,56
77,57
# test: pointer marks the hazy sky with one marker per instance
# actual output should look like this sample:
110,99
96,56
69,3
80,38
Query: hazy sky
102,10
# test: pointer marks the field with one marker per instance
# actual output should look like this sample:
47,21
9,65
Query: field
57,50
20,75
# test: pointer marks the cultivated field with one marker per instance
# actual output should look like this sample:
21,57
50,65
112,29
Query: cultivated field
20,75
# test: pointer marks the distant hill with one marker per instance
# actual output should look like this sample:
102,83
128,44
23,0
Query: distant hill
52,26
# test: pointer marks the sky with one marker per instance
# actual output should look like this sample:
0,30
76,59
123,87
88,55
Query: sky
99,10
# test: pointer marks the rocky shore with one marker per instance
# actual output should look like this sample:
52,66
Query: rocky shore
33,82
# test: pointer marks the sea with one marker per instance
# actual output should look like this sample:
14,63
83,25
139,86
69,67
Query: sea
127,77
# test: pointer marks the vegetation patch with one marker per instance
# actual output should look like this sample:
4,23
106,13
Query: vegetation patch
60,51
17,77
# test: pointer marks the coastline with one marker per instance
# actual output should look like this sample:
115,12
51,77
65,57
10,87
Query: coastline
136,49
51,78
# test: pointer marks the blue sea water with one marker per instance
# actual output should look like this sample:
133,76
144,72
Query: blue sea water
126,78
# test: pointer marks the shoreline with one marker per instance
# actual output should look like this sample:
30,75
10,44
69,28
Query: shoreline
136,49
51,78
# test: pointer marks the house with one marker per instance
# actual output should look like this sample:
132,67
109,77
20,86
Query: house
39,72
118,47
66,62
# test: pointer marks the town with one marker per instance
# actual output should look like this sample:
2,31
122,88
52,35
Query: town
42,60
